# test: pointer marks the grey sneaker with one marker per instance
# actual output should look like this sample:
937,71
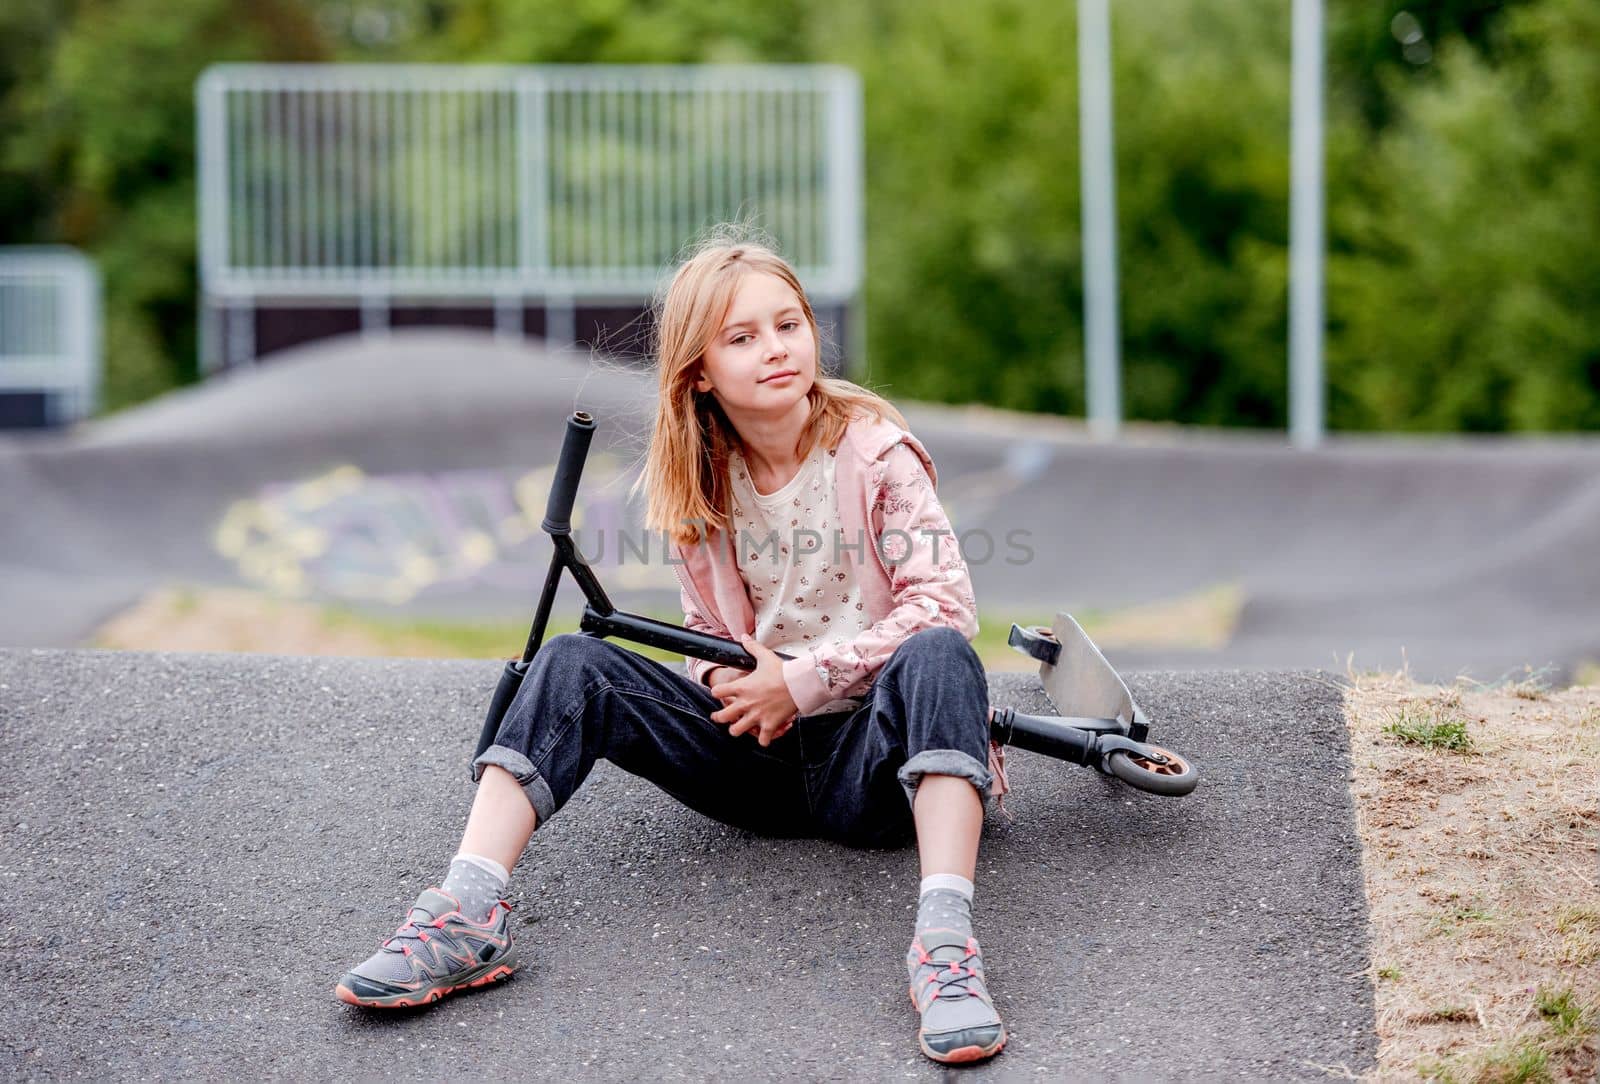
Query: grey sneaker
959,1022
435,952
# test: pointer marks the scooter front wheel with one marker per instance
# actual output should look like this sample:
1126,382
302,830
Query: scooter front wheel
1173,779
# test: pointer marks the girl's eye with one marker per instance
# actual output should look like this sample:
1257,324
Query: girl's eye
743,337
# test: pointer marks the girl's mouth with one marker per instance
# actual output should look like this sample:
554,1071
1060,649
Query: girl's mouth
780,377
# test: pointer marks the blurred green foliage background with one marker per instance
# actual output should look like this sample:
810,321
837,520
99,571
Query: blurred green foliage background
1463,228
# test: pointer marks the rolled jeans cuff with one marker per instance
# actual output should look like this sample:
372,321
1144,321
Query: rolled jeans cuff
528,777
945,762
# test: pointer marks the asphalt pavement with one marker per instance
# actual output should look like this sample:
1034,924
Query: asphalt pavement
195,847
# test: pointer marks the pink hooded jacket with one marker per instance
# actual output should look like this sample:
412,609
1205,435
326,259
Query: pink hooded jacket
901,549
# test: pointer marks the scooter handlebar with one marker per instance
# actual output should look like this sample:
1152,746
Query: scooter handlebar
569,469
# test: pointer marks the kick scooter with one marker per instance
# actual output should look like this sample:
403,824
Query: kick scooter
1101,727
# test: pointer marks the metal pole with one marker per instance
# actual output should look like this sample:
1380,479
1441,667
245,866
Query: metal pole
92,308
1306,411
374,314
560,322
508,317
213,209
1101,334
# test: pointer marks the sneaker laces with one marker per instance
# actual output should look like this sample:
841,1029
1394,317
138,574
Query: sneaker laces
410,930
953,973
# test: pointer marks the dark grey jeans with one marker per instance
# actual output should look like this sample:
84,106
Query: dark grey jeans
847,776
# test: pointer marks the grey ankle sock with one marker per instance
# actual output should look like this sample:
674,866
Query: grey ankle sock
946,904
476,882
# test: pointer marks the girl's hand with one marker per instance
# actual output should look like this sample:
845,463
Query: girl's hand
718,674
760,700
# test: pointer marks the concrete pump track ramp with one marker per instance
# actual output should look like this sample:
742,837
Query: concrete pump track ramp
416,452
196,846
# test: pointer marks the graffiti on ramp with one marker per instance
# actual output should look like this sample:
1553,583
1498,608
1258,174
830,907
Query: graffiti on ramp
345,534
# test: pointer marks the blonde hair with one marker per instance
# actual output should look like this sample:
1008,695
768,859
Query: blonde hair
686,469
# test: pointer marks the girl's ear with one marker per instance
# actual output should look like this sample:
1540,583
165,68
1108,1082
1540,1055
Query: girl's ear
700,381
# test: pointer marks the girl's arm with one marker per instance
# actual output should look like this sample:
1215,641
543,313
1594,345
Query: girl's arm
696,621
929,580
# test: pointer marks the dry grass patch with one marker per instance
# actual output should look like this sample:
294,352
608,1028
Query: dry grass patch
235,619
177,618
1204,620
1476,806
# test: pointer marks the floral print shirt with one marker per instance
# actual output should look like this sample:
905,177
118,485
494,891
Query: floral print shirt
803,593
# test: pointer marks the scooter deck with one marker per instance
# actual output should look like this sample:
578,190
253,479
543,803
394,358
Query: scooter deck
1076,676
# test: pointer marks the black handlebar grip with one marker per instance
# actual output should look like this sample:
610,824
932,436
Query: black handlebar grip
569,468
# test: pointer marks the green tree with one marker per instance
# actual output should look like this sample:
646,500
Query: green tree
1378,51
975,264
1469,294
107,127
1462,230
973,275
28,31
626,31
1454,173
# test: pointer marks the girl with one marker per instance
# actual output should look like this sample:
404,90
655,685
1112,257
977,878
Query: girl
804,520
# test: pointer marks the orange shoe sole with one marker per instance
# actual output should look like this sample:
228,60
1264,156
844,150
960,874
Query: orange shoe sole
350,997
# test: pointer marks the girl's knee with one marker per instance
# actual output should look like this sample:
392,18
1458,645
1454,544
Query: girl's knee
570,643
939,638
565,669
937,646
940,652
575,650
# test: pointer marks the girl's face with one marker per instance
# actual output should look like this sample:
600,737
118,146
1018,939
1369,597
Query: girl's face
764,335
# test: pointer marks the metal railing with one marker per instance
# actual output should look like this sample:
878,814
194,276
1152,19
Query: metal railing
50,328
383,184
